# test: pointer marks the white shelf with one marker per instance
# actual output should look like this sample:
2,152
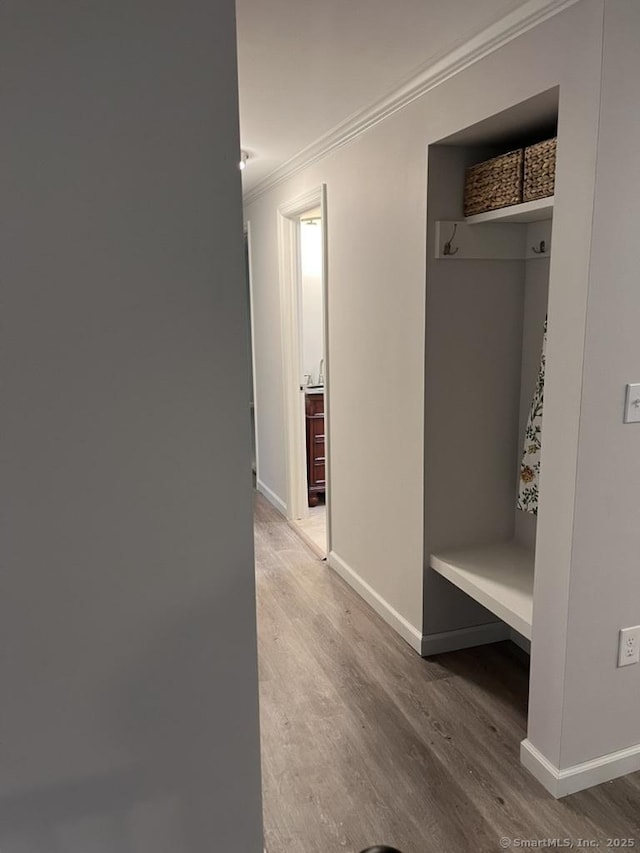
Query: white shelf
500,577
528,211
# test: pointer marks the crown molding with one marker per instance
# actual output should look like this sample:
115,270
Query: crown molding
488,40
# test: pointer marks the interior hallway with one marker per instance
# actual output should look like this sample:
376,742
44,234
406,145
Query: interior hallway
363,742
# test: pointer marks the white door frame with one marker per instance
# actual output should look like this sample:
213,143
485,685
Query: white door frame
290,302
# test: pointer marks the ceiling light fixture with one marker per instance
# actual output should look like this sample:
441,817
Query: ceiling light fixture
244,156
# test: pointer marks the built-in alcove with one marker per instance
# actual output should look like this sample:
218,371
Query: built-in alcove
487,296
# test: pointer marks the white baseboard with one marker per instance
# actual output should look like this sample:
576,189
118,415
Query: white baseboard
463,638
425,645
273,499
561,783
402,626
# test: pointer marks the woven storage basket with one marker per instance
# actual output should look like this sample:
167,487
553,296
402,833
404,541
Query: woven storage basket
494,183
539,170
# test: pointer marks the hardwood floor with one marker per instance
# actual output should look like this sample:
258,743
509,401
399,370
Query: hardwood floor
364,742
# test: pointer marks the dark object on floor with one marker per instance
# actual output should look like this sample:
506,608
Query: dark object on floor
381,849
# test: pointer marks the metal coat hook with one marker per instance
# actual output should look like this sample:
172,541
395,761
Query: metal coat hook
447,250
542,249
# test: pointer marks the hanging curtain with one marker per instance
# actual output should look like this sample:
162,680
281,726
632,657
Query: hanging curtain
530,467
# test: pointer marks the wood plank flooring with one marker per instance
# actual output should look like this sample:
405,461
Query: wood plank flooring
364,742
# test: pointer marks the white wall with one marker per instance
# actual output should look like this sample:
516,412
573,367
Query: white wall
267,360
311,302
128,715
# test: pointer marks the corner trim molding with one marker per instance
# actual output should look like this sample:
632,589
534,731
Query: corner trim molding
271,496
432,74
561,783
395,620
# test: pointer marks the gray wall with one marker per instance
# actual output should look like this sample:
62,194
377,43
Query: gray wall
128,713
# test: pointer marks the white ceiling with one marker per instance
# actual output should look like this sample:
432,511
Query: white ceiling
307,65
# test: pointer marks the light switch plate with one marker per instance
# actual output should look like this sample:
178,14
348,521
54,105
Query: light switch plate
632,405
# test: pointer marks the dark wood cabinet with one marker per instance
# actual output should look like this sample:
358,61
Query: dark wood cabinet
314,409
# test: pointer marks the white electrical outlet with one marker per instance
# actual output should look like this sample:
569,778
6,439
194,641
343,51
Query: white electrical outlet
629,646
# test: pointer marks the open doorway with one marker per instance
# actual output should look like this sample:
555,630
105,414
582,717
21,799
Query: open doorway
302,237
312,357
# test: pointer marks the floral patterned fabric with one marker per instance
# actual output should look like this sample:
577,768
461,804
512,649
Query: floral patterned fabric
530,467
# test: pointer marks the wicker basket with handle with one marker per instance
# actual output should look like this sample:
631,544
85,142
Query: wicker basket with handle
494,183
540,170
